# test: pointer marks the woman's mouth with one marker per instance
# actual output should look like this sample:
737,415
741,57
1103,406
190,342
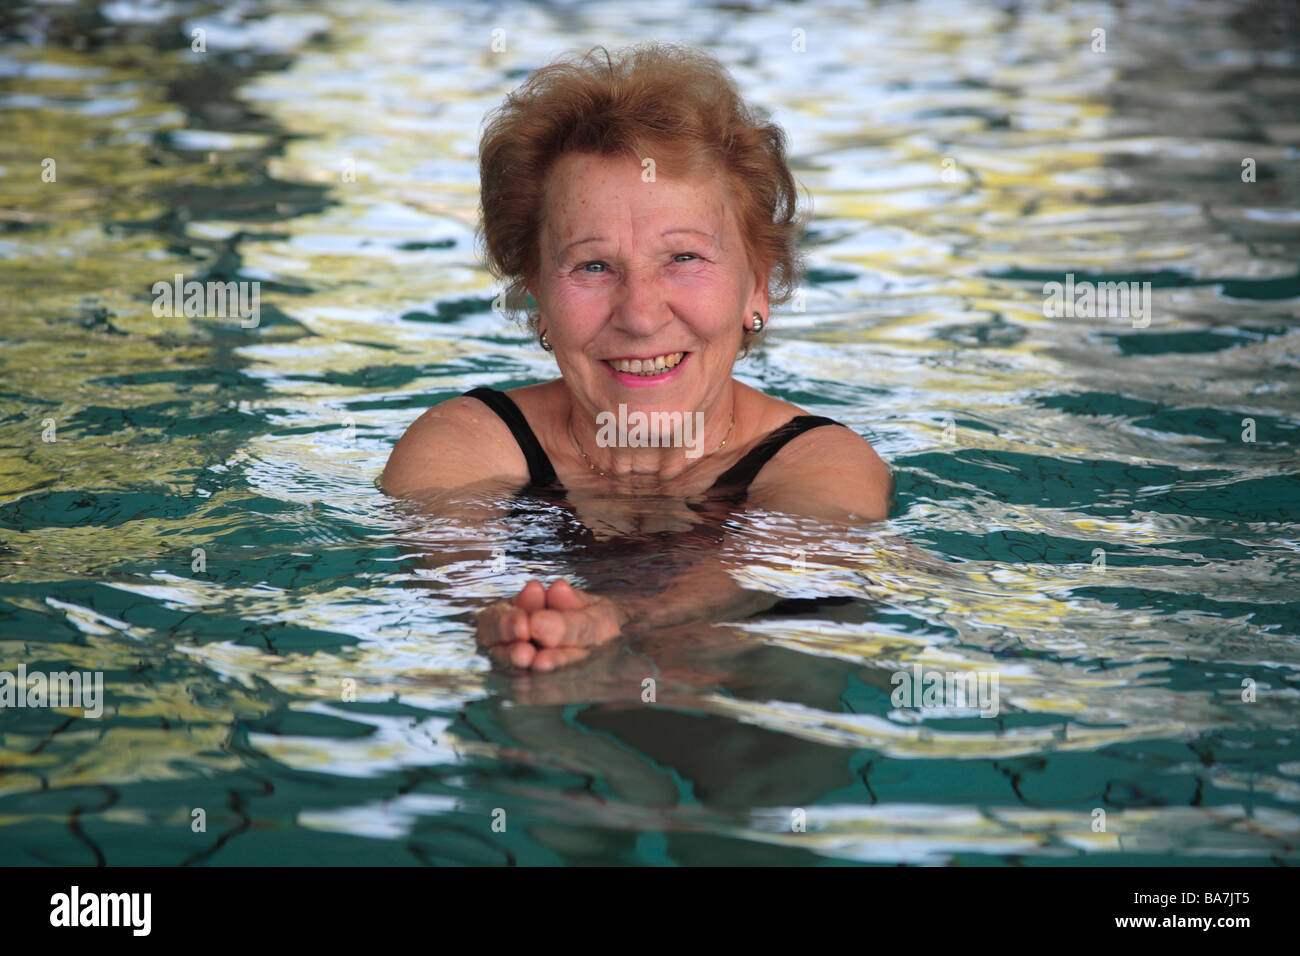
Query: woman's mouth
649,366
647,371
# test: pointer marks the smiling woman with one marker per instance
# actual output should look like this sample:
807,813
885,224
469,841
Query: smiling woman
652,217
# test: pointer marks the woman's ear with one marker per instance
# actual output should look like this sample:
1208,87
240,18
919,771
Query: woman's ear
760,297
531,289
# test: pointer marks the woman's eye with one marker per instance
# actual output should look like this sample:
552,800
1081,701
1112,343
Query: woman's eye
688,255
587,266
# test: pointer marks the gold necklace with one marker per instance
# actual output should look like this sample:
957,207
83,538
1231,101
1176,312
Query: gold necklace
578,445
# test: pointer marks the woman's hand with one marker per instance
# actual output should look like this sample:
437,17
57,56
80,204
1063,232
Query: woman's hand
544,629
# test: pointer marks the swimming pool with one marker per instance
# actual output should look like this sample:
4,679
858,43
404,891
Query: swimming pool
1099,511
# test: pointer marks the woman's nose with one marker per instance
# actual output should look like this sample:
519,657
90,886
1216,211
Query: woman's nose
642,305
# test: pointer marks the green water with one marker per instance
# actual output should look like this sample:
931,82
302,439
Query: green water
1023,447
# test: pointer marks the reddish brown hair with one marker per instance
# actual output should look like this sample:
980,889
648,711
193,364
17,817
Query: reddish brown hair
674,103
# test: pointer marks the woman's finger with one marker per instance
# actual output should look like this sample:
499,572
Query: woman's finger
518,654
550,658
532,597
550,628
501,623
563,596
592,625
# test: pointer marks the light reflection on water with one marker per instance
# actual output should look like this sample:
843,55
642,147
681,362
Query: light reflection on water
1120,688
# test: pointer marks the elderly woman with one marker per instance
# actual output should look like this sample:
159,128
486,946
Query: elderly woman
652,216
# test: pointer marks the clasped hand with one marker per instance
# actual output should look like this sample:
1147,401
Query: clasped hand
542,629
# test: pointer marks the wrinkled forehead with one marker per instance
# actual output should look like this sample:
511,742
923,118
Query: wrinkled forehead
591,194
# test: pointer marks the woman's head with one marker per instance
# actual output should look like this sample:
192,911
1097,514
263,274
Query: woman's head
624,148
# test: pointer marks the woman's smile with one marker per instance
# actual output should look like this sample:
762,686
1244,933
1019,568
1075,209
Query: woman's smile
639,373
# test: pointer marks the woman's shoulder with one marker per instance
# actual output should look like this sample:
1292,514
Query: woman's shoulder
456,442
768,412
825,468
539,400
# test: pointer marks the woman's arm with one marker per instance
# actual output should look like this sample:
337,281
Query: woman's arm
542,628
704,592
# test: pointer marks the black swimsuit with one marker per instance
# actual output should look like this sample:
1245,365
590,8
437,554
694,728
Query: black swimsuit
734,482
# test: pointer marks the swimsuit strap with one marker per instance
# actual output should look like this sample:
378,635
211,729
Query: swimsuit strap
736,479
738,476
540,471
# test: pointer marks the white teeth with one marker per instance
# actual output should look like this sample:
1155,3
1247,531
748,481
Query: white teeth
654,366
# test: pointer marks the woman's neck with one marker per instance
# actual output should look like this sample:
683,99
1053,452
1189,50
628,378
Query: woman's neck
652,450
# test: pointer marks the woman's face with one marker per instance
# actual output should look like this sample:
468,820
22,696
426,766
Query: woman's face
634,270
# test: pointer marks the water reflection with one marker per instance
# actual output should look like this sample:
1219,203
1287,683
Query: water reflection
1023,446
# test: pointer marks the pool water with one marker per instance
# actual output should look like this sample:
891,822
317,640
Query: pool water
1103,515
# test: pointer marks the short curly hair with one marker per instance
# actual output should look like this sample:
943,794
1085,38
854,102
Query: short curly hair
675,103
